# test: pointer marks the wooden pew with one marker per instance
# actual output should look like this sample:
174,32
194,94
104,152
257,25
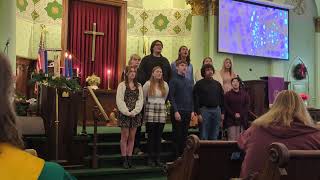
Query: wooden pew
206,160
285,164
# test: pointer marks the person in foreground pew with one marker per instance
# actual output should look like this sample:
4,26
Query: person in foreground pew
180,96
287,122
155,92
236,103
129,102
14,162
208,101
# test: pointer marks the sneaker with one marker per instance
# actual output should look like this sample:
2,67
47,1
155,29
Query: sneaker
140,153
137,151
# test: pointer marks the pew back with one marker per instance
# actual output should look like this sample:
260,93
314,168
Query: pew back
207,160
284,164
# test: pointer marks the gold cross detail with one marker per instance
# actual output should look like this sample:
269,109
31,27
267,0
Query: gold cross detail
94,34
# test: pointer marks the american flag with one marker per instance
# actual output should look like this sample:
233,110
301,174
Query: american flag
42,65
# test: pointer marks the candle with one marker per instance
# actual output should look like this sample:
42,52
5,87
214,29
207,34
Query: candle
45,62
56,66
77,72
109,73
66,65
70,66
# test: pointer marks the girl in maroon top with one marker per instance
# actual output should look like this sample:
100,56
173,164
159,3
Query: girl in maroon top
236,103
287,122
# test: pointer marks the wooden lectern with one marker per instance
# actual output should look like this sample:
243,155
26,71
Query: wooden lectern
258,93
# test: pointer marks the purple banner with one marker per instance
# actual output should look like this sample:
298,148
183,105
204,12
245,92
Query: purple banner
275,85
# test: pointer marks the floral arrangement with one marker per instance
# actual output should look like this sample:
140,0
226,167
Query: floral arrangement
304,96
93,80
21,104
300,71
56,82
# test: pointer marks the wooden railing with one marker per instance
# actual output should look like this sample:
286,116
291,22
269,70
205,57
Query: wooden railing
98,112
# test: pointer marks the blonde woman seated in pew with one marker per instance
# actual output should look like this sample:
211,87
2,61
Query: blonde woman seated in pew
15,163
287,122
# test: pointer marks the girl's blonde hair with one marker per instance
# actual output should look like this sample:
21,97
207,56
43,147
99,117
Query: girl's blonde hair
153,83
287,106
133,56
224,69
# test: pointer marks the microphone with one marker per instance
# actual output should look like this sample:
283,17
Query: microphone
6,47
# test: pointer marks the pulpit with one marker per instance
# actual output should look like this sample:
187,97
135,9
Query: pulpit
61,137
258,93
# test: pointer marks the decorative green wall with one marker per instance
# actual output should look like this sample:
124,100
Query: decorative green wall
30,14
171,26
302,41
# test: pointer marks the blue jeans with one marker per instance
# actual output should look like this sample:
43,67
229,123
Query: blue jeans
209,128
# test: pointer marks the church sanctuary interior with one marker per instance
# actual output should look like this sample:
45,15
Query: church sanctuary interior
161,89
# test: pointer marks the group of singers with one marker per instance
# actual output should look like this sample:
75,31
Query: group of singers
211,96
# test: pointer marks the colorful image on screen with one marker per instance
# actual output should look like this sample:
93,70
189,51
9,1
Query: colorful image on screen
251,29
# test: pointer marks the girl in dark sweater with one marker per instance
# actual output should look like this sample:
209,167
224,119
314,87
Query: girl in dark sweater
236,103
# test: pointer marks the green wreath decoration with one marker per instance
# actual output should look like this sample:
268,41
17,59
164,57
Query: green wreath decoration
300,71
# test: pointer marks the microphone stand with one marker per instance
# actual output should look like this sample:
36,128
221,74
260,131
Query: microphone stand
5,50
241,82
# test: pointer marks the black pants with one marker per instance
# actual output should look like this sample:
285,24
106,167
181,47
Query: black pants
138,136
180,131
137,139
154,139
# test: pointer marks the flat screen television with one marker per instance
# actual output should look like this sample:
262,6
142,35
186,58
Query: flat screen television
249,28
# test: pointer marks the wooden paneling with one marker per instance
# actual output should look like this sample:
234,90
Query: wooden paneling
24,69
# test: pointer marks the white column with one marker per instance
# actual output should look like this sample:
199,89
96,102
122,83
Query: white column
197,39
8,29
199,11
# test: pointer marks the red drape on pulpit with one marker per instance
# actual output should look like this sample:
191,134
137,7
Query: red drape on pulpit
82,15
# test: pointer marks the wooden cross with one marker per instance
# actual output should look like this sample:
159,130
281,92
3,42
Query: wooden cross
94,34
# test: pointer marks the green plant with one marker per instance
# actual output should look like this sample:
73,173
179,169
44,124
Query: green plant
56,82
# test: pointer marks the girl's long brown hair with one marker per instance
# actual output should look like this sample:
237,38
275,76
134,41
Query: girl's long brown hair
126,79
8,130
179,55
153,82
